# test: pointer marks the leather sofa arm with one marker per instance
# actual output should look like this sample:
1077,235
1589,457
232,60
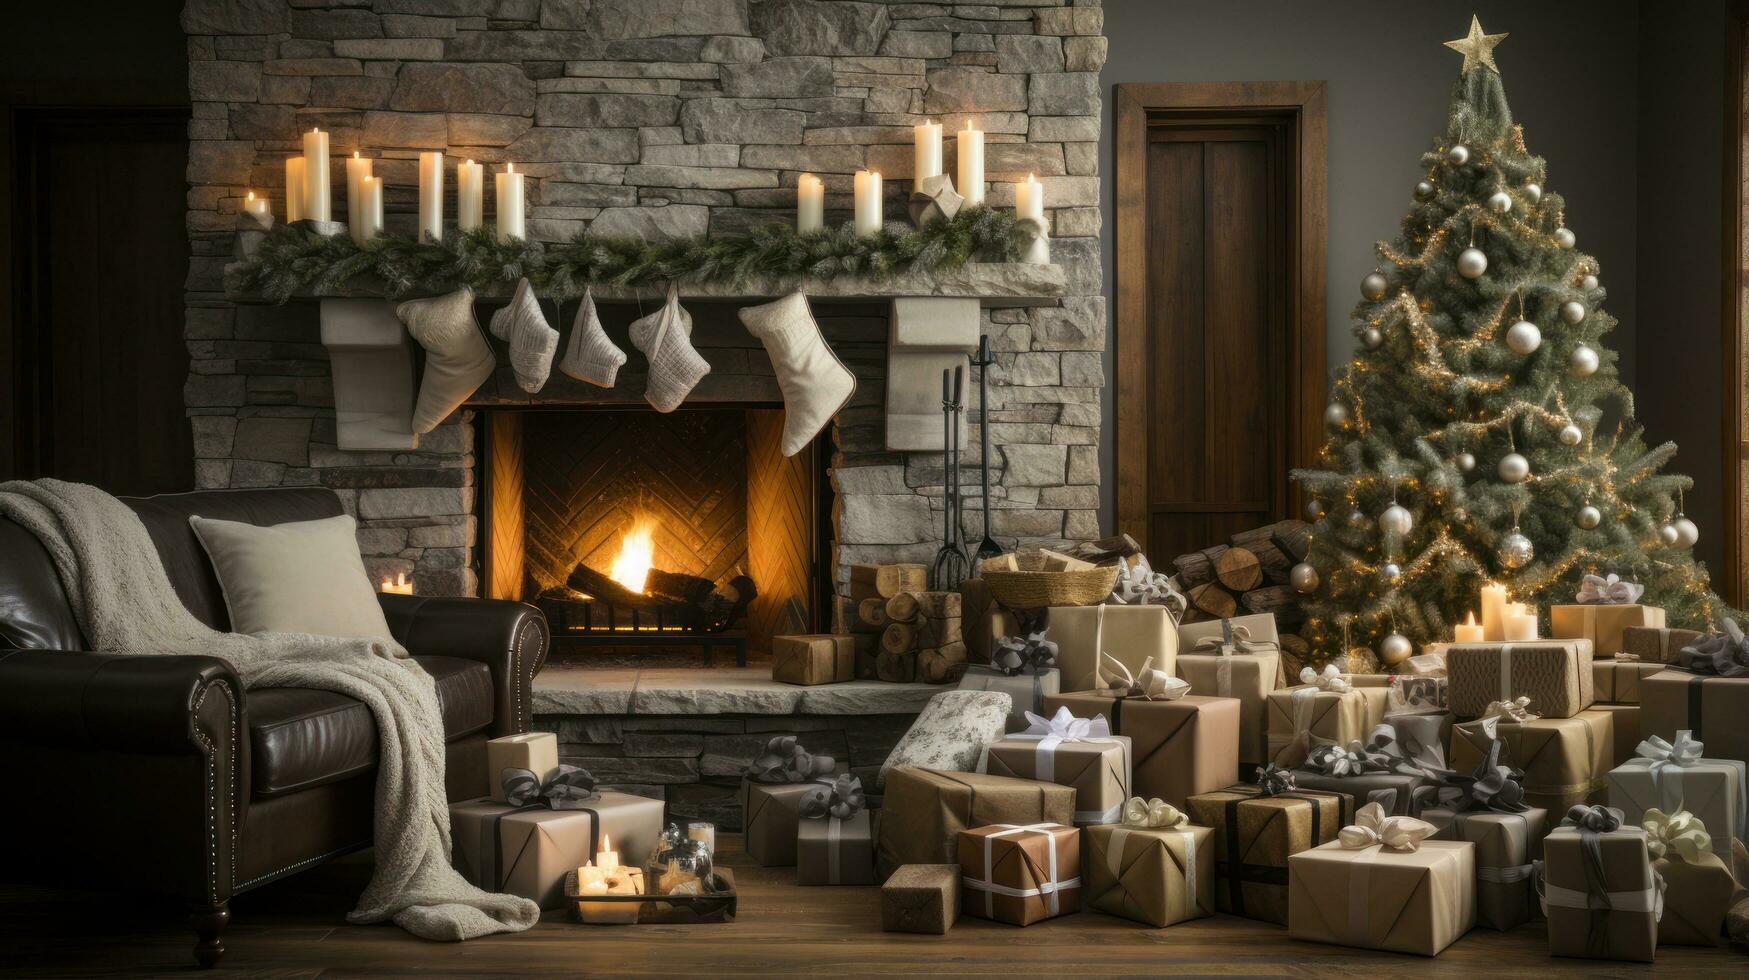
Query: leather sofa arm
119,702
510,638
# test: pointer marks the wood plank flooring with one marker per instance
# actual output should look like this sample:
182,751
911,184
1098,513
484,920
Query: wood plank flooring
295,928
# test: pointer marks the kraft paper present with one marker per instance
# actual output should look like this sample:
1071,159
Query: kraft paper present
1020,873
1098,770
983,620
830,851
1374,897
1247,677
538,752
1254,837
1302,718
1507,847
1624,726
1566,761
1602,623
1555,674
1628,929
1618,681
1696,895
921,898
1149,874
1026,690
1258,628
1711,789
770,813
924,810
816,658
1177,748
1397,792
1715,709
1426,733
1656,645
1131,634
528,851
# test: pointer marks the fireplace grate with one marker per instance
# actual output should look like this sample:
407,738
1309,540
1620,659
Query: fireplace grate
579,621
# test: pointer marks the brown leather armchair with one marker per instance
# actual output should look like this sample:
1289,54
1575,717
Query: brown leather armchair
161,771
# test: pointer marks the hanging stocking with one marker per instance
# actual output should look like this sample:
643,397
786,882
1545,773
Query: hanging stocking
457,359
532,340
589,354
665,337
815,383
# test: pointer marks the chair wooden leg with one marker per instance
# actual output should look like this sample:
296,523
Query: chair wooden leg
209,930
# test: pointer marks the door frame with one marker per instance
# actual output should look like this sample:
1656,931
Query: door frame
1136,104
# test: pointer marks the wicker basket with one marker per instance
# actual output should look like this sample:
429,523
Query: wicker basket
1032,588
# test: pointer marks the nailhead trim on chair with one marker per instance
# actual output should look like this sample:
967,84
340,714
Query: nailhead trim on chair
288,869
519,682
213,790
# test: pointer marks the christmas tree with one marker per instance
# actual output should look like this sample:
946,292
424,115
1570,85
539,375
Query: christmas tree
1467,440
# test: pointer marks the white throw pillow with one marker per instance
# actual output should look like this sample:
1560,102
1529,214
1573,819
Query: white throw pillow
301,577
951,732
457,359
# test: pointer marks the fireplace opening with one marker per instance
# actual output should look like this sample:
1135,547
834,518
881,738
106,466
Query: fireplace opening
653,539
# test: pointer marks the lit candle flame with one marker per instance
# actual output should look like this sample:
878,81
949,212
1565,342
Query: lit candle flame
250,197
510,168
637,552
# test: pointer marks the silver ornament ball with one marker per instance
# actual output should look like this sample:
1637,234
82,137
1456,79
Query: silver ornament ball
1396,520
1458,155
1371,338
1314,509
1524,337
1392,573
1336,415
1423,190
1373,286
1572,311
1687,534
1516,550
1356,519
1465,462
1589,517
1514,468
1589,282
1471,262
1570,434
1669,535
1565,238
1395,649
1303,577
1533,192
1500,201
1584,362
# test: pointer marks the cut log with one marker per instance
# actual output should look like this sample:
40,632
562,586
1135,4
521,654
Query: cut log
938,632
872,612
1280,600
887,581
1210,598
1238,570
936,666
938,605
896,668
688,590
1106,551
868,647
1197,567
899,638
1056,561
1294,651
902,608
592,583
1294,540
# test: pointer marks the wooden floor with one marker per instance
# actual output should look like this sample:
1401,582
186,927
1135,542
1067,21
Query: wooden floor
295,929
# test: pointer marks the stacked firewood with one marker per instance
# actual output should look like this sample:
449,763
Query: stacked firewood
1249,575
912,634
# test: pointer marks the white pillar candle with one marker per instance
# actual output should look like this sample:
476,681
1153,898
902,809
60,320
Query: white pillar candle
357,169
1468,631
510,204
470,185
371,213
868,202
810,204
1029,199
970,149
1520,623
316,199
258,207
294,189
1493,611
431,196
927,150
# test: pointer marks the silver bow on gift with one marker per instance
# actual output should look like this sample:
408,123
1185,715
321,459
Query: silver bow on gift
1139,585
1064,726
840,799
1405,750
1492,786
565,788
1686,751
1146,682
1371,826
1015,655
1274,780
1153,813
784,760
1680,835
1329,679
1725,654
1355,760
1613,590
1598,819
1517,710
1234,639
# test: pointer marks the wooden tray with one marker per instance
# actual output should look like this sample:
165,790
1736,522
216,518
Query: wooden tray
665,909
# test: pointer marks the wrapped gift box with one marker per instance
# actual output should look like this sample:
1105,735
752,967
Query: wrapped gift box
528,851
538,752
1026,689
815,658
1248,678
1566,761
924,810
1416,694
1656,645
1618,681
1602,623
770,813
1020,874
1423,736
1507,847
1096,768
831,851
1374,897
1696,895
1257,629
1154,875
1711,789
1555,674
1177,748
1131,634
1715,709
1628,928
921,898
1254,835
1395,791
1302,718
1624,722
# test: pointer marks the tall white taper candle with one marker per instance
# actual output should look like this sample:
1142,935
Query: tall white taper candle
868,202
317,203
294,189
431,196
469,195
969,146
510,204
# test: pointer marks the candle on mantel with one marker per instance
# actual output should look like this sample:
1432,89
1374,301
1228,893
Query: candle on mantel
431,196
398,587
294,189
969,147
470,185
1029,199
1520,623
810,204
1493,611
357,217
372,211
316,197
258,207
510,204
926,154
1468,631
868,202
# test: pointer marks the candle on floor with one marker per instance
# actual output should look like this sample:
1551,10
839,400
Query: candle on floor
357,217
810,204
1520,623
431,196
1493,611
1468,631
607,858
258,207
970,148
316,198
926,153
470,185
510,204
398,587
294,189
868,202
1029,199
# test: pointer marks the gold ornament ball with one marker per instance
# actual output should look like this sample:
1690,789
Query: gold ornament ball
1584,362
1395,649
1371,338
1589,517
1669,535
1514,468
1570,435
1687,534
1533,192
1373,286
1472,262
1524,337
1565,238
1423,190
1303,577
1500,202
1458,155
1573,311
1516,550
1589,282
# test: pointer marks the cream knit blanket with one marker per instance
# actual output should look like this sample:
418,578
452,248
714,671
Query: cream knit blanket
124,603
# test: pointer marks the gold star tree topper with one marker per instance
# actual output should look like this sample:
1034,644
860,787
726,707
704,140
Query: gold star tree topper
1477,48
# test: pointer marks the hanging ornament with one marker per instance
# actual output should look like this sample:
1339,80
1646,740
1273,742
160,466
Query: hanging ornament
1465,462
1533,192
1669,535
1687,534
1356,518
1523,337
1303,577
1395,649
1391,573
1500,201
1584,362
1589,282
1458,155
1373,286
1371,338
1471,262
1572,311
1336,415
1589,517
1423,190
1570,434
1515,550
1565,238
1514,468
1314,509
1396,520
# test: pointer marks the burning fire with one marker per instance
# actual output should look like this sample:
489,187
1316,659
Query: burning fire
637,551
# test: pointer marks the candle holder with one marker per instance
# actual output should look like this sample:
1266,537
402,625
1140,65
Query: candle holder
252,230
934,199
1034,241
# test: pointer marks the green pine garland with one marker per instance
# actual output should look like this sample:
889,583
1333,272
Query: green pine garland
293,259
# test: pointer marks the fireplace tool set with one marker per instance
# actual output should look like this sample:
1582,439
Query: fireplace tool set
953,561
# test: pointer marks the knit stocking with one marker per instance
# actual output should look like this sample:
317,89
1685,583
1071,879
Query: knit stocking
589,354
665,337
814,382
532,340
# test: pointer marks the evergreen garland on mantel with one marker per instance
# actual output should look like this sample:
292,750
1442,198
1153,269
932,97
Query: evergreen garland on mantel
293,259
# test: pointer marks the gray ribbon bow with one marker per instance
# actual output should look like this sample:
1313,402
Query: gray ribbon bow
1273,780
566,788
1723,654
1598,590
1014,655
1355,760
1492,786
1233,640
786,761
840,799
1139,585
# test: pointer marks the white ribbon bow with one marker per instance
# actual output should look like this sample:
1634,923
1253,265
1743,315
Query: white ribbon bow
1147,682
1371,826
1139,585
1681,834
1685,752
1065,727
1598,590
1155,812
1331,679
1517,709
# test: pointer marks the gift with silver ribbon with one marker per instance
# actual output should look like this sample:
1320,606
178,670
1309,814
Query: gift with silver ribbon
1671,776
1021,892
1024,668
1594,870
834,839
1719,654
1147,867
1608,590
1069,751
1139,585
